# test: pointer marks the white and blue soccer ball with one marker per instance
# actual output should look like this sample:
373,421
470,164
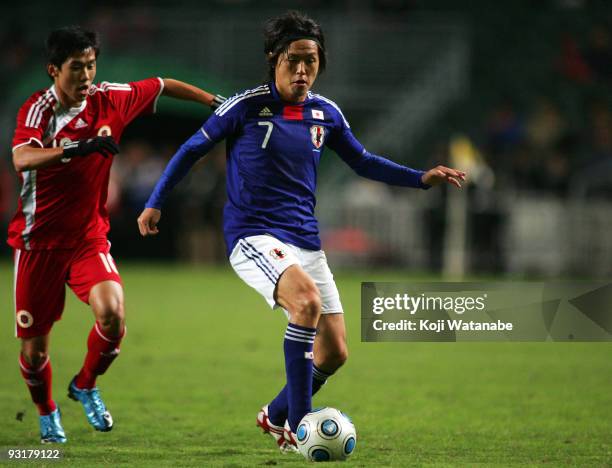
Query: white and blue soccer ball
326,434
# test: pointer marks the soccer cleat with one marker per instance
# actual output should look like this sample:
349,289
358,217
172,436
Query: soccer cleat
51,430
275,431
289,436
96,412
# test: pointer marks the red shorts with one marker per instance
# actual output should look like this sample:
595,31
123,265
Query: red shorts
40,278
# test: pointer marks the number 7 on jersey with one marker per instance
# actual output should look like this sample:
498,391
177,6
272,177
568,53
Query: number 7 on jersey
270,126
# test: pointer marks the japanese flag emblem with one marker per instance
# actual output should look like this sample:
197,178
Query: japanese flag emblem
318,114
317,135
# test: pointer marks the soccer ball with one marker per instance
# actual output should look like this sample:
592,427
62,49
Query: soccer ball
326,434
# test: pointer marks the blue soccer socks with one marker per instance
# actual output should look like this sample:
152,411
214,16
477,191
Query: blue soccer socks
279,407
319,378
298,345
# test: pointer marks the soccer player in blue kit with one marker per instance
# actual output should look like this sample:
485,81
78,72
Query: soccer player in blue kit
275,137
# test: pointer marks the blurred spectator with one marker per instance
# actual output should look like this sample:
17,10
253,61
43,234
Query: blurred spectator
138,169
15,53
15,48
598,54
135,172
558,165
545,125
572,63
590,63
138,25
548,148
505,131
600,134
523,169
203,197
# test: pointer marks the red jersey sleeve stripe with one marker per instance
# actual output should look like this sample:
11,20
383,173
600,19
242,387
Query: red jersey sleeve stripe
48,104
38,110
115,86
34,107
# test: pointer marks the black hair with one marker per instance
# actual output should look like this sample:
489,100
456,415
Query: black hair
64,42
281,31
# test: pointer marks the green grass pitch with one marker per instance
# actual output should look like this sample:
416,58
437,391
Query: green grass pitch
203,353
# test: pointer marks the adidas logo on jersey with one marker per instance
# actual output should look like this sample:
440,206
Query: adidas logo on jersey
80,123
265,112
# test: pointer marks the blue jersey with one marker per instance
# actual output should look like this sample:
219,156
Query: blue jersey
273,151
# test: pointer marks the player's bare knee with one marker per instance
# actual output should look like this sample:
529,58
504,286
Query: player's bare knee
308,306
111,317
35,358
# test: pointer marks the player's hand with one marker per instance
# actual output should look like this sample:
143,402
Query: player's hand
147,221
105,145
440,174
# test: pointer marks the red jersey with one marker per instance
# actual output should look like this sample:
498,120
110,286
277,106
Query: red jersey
61,205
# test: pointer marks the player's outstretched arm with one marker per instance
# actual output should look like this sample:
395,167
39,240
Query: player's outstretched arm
147,221
374,167
441,174
180,90
28,158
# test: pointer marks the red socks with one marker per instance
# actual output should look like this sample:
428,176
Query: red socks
38,381
101,352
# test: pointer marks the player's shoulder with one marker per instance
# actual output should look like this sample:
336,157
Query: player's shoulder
328,105
37,106
107,88
244,99
107,94
40,98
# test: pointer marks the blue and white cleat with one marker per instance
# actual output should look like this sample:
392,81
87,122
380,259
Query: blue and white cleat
95,410
51,430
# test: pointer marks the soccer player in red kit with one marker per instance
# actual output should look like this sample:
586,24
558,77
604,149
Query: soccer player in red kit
63,148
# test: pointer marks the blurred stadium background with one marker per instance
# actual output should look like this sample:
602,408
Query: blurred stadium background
518,95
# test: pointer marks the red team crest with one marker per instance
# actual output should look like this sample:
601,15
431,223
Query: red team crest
277,254
317,135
